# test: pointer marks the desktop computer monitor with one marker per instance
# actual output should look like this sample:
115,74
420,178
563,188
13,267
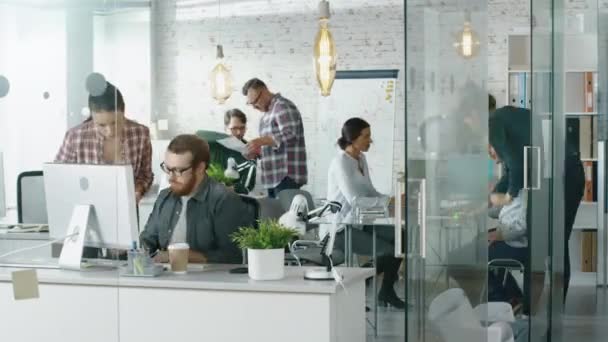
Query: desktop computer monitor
98,200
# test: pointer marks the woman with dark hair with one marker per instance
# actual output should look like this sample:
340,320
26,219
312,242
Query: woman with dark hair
107,137
350,184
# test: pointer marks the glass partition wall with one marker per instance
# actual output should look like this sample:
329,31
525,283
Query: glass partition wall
448,57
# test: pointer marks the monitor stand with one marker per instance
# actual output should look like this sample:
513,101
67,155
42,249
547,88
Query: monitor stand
71,253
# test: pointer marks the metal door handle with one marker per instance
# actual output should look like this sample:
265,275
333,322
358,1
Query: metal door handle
399,252
422,217
539,168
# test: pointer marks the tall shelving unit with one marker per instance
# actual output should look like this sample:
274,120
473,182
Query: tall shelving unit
580,105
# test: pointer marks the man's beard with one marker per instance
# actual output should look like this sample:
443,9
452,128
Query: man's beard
183,189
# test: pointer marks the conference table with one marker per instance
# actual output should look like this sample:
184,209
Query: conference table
206,304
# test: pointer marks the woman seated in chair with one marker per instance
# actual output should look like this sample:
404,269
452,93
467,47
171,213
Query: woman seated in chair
349,181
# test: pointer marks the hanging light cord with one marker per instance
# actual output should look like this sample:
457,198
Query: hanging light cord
219,22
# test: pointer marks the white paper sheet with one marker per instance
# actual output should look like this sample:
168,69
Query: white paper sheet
233,144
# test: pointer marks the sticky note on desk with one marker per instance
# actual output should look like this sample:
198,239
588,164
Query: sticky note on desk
25,284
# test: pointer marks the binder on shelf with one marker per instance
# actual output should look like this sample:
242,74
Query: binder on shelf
586,137
588,240
594,137
514,89
589,98
589,193
523,90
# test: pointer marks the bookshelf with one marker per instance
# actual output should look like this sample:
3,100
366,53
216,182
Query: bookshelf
580,107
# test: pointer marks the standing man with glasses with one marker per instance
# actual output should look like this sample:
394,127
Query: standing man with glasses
195,208
281,146
235,122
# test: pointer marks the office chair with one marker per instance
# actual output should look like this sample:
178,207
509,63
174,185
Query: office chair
31,201
507,266
270,208
455,319
286,197
254,208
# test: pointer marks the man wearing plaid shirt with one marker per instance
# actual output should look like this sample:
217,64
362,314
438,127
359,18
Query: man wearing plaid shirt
281,146
107,137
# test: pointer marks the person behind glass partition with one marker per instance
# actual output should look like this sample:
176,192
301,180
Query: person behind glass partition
349,181
108,137
509,133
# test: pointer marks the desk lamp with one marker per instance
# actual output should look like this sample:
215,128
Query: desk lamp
296,218
232,170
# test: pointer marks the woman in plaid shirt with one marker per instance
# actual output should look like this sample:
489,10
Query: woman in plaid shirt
107,137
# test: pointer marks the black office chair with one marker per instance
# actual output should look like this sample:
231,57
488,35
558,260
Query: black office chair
31,200
254,207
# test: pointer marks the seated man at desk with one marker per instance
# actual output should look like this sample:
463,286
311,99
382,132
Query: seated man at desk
195,208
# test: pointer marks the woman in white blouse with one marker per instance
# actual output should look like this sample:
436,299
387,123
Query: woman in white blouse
349,182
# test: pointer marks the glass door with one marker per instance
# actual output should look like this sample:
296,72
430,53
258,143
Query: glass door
448,170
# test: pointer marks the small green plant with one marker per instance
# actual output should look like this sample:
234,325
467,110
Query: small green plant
216,172
270,235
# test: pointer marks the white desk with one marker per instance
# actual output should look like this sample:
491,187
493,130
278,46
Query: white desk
204,305
13,241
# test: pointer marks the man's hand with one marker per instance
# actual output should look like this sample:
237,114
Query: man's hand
500,199
162,257
139,193
254,146
138,197
196,257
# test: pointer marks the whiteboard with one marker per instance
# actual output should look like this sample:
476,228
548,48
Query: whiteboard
369,95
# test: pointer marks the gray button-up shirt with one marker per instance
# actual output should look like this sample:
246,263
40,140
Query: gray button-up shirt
213,213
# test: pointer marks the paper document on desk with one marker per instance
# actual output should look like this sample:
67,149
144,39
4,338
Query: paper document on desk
234,144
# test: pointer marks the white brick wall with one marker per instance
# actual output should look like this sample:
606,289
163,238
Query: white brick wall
271,40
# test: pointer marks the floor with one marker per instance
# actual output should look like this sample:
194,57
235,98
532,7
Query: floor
586,314
585,318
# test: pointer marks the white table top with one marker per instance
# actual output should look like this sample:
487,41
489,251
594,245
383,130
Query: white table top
199,277
5,235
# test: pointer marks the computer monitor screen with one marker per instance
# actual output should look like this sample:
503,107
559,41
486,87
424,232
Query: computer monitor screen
2,192
108,189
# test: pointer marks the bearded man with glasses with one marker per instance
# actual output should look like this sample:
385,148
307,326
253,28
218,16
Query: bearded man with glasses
195,208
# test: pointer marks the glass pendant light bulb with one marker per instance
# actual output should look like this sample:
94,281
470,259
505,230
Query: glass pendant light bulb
221,80
468,43
325,52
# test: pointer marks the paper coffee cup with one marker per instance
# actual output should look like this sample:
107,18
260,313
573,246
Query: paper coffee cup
178,257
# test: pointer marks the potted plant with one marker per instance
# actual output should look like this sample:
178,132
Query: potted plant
216,171
265,248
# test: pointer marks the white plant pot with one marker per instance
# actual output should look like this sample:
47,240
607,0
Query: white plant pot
266,264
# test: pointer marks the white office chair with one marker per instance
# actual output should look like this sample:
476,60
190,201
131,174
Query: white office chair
456,321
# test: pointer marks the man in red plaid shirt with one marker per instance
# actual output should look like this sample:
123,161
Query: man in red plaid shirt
281,146
107,137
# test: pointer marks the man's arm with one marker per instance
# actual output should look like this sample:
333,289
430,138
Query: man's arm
288,119
149,237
